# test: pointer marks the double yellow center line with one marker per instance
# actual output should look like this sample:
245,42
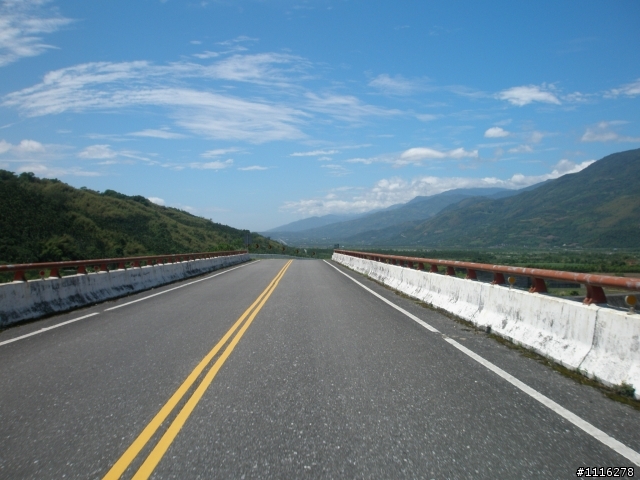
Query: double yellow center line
165,442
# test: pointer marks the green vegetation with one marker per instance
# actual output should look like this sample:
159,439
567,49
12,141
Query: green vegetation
46,220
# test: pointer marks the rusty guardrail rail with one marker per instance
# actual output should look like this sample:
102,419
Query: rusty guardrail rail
102,264
593,283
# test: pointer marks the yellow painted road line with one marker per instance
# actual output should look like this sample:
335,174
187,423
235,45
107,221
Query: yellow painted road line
167,439
138,444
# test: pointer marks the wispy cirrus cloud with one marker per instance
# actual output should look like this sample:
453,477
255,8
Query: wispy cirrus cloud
630,90
154,133
262,68
346,107
396,85
218,152
22,22
114,86
314,153
391,191
105,152
215,165
253,168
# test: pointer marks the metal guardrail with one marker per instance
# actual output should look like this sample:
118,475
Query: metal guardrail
102,264
594,283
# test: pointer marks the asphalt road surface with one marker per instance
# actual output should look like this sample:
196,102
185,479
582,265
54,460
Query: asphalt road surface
279,369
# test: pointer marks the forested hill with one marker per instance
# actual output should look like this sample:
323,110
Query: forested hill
596,207
47,220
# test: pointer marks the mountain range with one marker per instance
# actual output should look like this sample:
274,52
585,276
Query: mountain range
596,207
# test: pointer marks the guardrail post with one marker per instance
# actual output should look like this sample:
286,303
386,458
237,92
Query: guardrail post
54,273
121,266
451,271
82,270
538,285
104,267
420,266
595,295
471,274
18,276
498,279
434,268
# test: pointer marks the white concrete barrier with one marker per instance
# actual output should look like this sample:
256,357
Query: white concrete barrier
601,342
33,299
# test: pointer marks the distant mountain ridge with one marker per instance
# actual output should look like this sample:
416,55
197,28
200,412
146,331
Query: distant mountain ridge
596,207
312,222
411,213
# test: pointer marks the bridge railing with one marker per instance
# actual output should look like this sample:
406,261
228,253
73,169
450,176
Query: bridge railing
55,269
594,284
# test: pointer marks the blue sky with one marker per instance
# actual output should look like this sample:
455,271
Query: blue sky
258,113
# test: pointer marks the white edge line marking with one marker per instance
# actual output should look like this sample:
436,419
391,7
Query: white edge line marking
42,330
596,433
180,286
402,310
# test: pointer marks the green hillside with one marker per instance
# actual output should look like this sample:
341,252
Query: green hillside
47,220
597,207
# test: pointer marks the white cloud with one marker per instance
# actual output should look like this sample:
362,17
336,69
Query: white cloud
206,54
314,153
165,134
325,159
427,117
496,132
602,132
156,200
21,24
521,149
387,192
218,152
536,137
397,85
415,155
335,170
4,146
28,146
24,148
253,168
215,165
630,89
99,152
527,94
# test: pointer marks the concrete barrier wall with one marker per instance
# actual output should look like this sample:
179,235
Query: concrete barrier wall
36,298
601,342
